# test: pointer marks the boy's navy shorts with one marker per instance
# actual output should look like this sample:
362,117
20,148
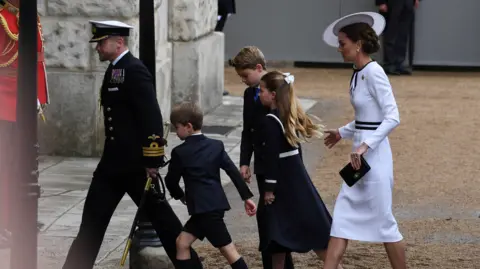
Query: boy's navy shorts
209,225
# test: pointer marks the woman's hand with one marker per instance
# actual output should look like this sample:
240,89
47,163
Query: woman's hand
332,138
355,156
269,198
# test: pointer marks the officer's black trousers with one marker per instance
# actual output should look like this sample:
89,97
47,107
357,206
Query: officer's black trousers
266,255
103,196
399,20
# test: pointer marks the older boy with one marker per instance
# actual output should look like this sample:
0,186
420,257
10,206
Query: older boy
198,160
250,65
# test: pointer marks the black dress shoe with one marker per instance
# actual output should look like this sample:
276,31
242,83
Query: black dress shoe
225,93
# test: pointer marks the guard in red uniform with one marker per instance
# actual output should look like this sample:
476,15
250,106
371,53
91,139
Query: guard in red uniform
9,13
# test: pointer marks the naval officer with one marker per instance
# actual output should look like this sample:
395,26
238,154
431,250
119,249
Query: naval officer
134,148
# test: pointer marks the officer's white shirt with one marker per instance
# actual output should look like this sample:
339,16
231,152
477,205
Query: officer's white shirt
119,57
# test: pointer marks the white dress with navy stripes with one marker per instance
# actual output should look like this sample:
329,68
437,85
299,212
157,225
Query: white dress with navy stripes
364,211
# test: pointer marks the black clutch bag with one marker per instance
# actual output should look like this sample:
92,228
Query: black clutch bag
352,176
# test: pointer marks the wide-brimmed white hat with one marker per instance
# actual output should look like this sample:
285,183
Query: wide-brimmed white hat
375,20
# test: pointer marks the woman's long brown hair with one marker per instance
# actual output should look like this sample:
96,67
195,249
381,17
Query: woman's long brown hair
298,125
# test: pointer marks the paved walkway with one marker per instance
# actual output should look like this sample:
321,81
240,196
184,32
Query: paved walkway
65,182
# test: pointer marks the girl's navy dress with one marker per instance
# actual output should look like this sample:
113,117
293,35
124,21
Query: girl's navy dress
297,220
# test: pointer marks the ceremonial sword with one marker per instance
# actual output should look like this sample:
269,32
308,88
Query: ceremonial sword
148,186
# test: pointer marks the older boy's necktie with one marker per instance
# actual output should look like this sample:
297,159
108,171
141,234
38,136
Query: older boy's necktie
257,94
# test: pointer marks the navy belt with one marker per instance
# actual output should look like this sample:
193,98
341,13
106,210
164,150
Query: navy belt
365,125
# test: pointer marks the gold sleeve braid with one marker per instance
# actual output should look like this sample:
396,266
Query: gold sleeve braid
9,62
4,24
12,36
154,149
11,44
8,47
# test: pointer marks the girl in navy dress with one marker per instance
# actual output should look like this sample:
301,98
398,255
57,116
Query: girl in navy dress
297,219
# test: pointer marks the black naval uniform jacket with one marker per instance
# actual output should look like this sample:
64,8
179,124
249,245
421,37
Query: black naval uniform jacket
198,161
252,134
132,118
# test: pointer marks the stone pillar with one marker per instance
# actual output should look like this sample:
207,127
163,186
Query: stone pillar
74,125
164,58
198,53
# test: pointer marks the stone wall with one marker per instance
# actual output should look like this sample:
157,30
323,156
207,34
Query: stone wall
198,53
188,62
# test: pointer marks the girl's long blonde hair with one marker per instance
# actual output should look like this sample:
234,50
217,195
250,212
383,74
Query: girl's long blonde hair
298,125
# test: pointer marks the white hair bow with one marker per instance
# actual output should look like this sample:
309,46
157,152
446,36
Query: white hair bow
289,78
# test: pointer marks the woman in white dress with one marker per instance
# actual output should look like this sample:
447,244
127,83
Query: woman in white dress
363,212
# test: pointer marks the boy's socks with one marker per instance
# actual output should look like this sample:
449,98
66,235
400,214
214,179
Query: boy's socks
239,264
185,264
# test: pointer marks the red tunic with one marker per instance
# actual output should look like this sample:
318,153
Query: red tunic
8,90
9,63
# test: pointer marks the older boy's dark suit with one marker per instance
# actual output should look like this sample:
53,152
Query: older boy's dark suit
252,143
198,161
